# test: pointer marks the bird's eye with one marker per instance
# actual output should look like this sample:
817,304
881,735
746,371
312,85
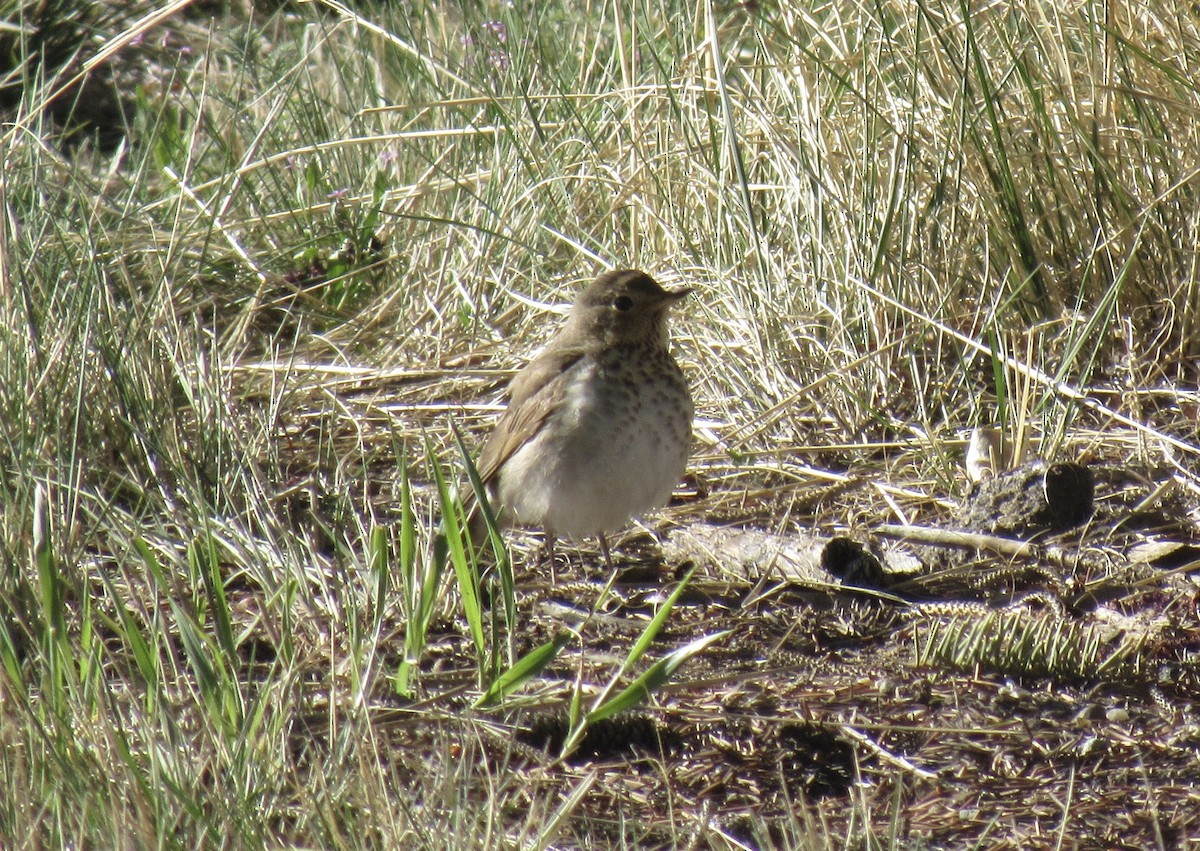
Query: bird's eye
623,303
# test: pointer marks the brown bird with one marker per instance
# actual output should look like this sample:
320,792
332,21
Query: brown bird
599,424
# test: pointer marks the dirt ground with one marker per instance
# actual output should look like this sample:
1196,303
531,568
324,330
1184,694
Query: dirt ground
1034,684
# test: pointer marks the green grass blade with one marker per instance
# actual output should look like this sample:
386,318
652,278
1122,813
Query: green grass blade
503,562
640,689
461,560
205,563
526,668
50,579
649,682
646,639
379,559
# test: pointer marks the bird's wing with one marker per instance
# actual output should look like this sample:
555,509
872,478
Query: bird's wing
533,395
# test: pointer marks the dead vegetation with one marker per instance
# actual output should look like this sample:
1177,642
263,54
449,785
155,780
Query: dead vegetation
240,322
992,681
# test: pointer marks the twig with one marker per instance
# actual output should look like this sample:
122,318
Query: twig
1062,556
954,538
885,755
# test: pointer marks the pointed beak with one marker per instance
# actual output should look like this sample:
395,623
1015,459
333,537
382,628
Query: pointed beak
673,297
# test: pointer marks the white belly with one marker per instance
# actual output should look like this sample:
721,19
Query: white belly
612,452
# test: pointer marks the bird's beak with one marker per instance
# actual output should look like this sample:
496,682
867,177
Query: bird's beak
672,297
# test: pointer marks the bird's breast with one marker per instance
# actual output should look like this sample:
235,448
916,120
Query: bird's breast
615,447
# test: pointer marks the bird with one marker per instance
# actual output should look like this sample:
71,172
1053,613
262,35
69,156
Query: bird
598,427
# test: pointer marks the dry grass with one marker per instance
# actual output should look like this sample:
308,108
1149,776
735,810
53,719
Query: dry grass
330,232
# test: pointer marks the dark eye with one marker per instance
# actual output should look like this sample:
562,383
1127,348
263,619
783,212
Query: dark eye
623,303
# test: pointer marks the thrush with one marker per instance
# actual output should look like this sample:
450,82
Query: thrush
599,424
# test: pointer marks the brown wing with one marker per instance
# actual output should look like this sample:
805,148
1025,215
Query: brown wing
534,393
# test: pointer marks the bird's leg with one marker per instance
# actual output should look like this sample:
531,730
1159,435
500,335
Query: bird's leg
548,547
604,552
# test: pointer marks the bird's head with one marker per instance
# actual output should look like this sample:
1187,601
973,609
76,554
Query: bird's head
623,307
